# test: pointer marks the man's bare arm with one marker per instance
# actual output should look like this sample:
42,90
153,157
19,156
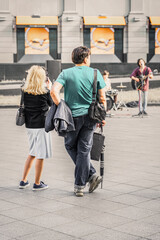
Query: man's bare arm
55,92
102,97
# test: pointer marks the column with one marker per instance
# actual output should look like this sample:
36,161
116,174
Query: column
71,30
7,33
137,34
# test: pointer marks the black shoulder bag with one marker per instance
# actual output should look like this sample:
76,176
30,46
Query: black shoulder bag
96,110
98,145
20,116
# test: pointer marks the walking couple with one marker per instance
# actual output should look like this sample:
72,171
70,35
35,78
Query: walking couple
78,85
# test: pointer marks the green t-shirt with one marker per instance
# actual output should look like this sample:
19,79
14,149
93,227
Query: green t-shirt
78,86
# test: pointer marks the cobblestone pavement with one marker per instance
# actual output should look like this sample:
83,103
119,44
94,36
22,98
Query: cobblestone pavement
128,206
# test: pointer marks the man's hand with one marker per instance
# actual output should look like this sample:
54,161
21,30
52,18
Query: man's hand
101,124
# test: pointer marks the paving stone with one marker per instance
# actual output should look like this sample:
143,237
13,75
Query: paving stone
129,199
49,220
5,220
157,187
9,194
23,213
52,205
124,188
110,234
148,193
78,229
18,229
133,212
77,212
27,199
144,183
126,208
155,237
105,194
107,220
46,235
2,237
53,194
155,219
138,228
153,205
101,205
5,205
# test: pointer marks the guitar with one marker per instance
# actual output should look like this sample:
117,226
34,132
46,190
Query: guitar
141,82
142,79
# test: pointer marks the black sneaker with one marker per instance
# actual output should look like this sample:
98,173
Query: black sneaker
39,187
94,183
146,114
23,184
140,114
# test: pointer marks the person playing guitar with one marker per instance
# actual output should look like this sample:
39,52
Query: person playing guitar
141,75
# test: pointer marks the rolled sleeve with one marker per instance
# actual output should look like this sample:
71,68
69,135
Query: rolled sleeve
134,73
61,79
149,71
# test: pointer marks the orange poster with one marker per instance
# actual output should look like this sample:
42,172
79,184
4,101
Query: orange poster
102,40
36,41
157,40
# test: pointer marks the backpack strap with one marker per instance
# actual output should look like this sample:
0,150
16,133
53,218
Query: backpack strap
94,86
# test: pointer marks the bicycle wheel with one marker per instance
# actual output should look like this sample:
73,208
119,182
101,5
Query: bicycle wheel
109,102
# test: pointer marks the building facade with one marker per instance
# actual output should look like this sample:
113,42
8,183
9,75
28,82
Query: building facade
116,31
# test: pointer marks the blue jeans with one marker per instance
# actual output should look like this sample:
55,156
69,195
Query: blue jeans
78,144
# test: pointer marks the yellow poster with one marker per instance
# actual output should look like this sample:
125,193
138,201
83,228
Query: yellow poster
102,40
36,41
157,40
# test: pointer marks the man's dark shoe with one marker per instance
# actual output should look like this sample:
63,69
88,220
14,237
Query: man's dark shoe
39,187
94,183
140,114
23,185
146,114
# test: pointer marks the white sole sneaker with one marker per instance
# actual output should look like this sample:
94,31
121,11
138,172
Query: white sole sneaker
39,189
78,192
23,187
95,183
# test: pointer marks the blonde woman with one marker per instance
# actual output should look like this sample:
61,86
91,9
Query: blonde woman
36,102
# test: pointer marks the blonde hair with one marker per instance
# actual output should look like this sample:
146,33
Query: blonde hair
35,82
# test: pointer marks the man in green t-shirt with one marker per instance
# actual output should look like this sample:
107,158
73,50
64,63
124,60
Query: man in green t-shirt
78,85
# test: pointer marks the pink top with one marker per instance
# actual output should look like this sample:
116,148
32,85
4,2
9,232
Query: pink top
137,73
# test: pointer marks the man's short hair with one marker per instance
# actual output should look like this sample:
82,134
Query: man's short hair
79,54
139,61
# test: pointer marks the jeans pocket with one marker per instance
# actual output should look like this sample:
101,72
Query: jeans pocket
90,124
